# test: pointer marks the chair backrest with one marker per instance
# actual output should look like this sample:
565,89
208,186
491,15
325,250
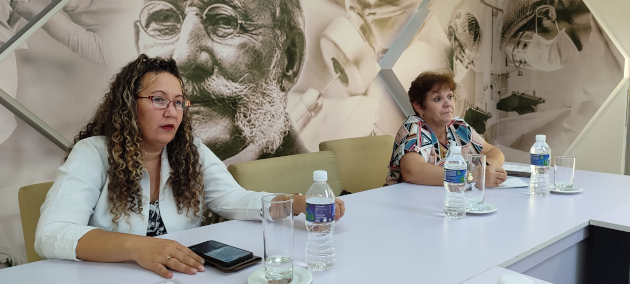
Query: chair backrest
31,198
362,161
287,174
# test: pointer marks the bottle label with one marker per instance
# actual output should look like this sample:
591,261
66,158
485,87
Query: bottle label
540,160
454,176
319,213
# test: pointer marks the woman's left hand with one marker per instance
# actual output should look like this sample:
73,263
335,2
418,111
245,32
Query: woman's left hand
299,206
495,176
340,209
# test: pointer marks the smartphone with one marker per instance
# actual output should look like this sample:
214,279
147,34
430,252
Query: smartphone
222,255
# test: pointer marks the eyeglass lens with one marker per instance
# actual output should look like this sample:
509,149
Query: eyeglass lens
459,50
160,102
161,20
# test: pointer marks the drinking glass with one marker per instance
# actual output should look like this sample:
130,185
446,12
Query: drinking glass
564,171
277,213
475,181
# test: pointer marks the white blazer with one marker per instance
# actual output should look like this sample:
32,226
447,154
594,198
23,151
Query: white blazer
77,201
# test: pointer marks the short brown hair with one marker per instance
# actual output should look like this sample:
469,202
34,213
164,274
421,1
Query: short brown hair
425,82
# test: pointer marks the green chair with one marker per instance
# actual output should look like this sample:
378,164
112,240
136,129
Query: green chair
287,174
31,198
362,161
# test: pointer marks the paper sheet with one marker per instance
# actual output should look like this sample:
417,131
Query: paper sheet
517,167
511,182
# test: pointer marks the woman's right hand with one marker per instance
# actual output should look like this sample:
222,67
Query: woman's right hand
160,255
495,176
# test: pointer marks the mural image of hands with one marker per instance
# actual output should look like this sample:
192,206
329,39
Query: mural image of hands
8,67
344,49
83,27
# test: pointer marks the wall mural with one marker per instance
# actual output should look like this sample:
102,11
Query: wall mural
560,67
266,79
273,78
522,67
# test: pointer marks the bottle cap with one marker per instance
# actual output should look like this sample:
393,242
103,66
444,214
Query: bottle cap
320,175
541,138
455,149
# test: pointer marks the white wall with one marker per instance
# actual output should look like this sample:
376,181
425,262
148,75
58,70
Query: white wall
602,146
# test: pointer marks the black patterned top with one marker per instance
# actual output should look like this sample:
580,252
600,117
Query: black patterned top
156,225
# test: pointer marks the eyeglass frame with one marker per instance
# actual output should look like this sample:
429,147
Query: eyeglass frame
461,47
516,44
529,25
202,17
185,103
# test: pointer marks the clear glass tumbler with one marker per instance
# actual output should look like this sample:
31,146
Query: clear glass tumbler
563,172
277,213
475,181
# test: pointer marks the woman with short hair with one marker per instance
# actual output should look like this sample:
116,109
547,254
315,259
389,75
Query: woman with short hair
423,140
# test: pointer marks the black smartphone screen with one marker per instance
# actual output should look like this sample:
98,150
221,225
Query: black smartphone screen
220,253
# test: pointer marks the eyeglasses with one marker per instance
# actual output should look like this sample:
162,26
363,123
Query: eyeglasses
519,63
163,103
518,44
462,55
162,21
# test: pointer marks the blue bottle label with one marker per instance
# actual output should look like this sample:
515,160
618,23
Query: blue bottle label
454,176
540,160
319,213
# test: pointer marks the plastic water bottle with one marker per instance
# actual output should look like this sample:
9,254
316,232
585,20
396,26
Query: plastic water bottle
455,183
320,223
540,160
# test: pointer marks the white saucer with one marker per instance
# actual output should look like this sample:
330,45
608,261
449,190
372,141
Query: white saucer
300,276
487,208
552,188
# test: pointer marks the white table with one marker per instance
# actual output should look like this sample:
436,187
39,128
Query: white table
492,275
617,218
395,234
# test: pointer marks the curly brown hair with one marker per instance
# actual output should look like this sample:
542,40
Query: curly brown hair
116,118
425,82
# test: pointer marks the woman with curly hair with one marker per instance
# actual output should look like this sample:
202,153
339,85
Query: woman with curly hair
136,170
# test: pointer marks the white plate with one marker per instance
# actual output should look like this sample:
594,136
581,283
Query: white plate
487,208
300,276
552,188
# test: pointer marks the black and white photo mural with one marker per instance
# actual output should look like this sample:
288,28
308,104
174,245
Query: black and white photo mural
559,68
274,78
266,78
270,78
522,67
